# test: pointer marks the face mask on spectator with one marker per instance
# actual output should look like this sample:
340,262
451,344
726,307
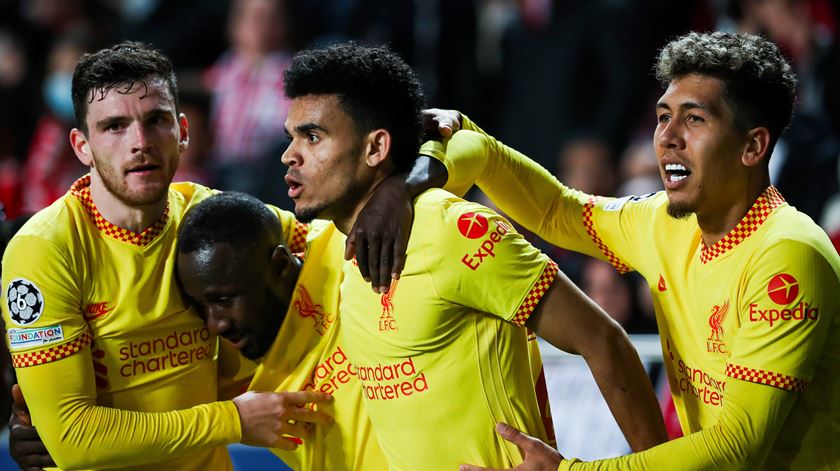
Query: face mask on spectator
57,95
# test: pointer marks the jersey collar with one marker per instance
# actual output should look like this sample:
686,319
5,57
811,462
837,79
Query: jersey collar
769,200
81,190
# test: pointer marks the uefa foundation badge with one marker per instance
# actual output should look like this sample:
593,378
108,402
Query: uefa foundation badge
26,303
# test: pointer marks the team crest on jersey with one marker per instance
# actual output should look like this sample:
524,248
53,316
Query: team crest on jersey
387,323
715,343
26,303
307,308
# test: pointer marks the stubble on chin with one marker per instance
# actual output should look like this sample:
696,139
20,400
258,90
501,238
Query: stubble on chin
679,211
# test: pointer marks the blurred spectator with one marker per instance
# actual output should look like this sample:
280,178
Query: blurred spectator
639,169
617,294
194,101
18,109
587,165
804,162
249,106
51,166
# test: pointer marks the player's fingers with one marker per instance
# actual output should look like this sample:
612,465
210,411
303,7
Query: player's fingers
350,247
400,246
386,252
38,461
361,243
288,443
306,397
297,429
23,433
512,435
306,415
374,245
471,467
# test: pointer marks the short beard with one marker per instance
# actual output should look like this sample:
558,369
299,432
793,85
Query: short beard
678,211
307,215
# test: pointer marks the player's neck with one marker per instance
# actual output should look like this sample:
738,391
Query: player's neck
134,218
345,222
716,222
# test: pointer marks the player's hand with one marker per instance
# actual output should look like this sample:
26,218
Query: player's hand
379,236
439,123
538,455
25,445
271,419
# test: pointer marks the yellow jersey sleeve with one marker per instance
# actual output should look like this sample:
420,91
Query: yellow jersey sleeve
80,434
496,270
41,310
50,344
610,229
785,317
750,420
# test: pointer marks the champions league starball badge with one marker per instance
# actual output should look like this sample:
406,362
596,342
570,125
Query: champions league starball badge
25,301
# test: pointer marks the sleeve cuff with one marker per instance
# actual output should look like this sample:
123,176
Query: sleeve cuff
566,464
232,423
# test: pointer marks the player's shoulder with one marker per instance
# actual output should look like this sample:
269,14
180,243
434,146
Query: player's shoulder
795,237
440,205
56,224
184,195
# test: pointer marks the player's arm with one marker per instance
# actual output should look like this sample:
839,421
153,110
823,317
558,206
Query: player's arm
751,418
572,322
58,382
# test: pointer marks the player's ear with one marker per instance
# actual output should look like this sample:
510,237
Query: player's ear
378,147
81,147
283,262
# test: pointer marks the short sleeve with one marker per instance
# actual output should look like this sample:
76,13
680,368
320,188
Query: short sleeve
41,303
487,266
785,316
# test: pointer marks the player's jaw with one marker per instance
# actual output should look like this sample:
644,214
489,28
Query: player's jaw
680,184
143,180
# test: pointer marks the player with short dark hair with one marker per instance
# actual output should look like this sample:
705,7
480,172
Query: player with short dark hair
450,327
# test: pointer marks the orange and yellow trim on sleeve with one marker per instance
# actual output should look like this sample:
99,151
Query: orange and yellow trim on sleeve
297,241
777,380
537,292
23,360
590,229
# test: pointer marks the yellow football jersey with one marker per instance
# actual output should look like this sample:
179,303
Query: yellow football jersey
100,336
750,326
442,356
308,356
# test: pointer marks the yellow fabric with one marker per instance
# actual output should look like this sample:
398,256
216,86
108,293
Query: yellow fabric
438,358
740,342
149,351
307,355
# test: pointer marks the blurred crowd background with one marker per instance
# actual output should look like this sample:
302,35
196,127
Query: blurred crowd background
567,82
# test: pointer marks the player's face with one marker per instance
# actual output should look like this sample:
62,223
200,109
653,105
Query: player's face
134,141
327,175
232,292
697,146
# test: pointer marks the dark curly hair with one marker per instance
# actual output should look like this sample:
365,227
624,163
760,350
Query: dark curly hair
118,68
233,218
375,87
760,86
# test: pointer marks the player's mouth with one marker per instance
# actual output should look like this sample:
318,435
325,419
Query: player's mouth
143,170
675,175
238,339
295,187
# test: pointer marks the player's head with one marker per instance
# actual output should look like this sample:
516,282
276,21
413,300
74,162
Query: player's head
728,99
354,119
128,130
233,266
